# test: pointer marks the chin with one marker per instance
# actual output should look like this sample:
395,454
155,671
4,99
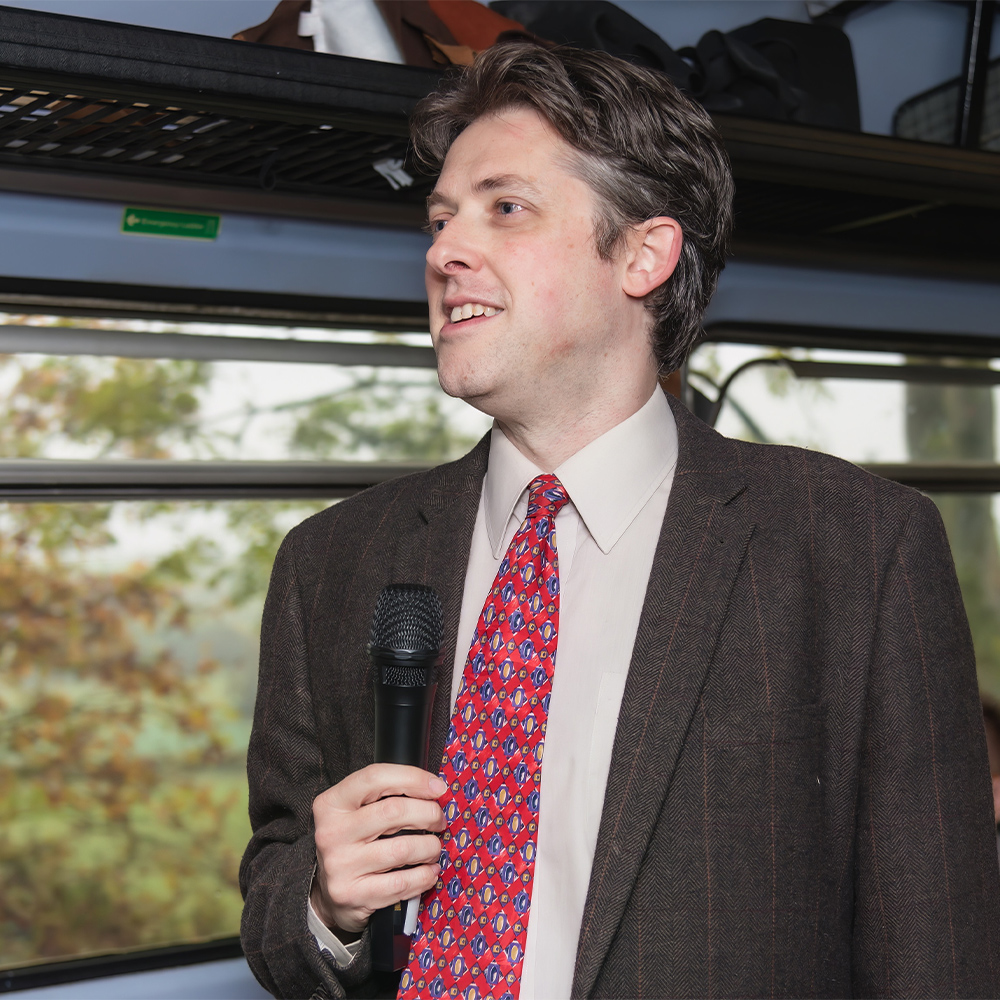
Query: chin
464,378
457,384
471,387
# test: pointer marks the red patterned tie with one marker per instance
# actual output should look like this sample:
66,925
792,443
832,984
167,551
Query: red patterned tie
469,941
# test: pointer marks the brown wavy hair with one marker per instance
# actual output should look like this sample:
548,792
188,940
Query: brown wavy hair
644,148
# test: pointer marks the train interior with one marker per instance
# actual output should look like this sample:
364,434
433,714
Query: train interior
213,324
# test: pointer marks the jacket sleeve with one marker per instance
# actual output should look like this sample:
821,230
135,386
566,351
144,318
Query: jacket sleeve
926,879
285,772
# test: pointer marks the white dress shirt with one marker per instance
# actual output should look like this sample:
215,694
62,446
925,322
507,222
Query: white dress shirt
606,537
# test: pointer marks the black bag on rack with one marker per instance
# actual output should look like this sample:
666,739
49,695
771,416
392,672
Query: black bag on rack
599,25
783,70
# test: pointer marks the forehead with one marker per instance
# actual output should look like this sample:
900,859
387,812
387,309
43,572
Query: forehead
515,142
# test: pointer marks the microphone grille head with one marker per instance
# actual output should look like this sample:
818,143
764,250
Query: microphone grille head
408,616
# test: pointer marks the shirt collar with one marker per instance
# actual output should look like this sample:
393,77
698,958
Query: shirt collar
609,481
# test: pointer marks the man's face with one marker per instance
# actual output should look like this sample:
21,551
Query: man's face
524,314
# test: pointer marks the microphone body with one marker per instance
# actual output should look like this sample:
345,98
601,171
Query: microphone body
405,649
405,684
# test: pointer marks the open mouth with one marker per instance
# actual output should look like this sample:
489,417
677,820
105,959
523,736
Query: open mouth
472,310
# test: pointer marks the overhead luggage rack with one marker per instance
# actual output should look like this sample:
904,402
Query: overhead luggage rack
54,128
81,98
808,195
120,112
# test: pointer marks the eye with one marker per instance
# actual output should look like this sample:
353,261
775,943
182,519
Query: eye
509,208
434,226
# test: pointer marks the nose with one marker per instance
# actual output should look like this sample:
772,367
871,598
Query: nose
453,249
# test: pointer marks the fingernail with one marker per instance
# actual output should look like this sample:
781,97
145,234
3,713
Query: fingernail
438,787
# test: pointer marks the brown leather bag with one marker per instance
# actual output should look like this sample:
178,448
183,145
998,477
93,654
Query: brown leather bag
281,28
474,27
429,33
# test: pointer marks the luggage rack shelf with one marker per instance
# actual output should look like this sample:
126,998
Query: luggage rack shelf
100,110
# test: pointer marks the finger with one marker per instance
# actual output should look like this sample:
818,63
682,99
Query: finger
398,852
392,887
376,781
359,895
343,879
390,815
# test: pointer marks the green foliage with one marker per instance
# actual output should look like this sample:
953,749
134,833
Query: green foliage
263,525
88,709
125,685
394,420
125,406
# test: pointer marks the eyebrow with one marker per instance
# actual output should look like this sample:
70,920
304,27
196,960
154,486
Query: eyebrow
494,183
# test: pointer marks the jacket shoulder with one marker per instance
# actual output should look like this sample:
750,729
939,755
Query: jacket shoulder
773,464
841,503
784,477
387,504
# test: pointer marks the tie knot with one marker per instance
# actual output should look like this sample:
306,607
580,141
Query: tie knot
546,495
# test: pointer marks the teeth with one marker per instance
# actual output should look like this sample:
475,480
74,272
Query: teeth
471,309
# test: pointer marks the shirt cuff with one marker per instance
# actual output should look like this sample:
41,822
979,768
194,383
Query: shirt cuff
342,954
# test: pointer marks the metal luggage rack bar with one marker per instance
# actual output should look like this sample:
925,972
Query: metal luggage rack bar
59,129
77,94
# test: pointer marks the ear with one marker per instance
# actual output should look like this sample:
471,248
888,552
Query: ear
652,252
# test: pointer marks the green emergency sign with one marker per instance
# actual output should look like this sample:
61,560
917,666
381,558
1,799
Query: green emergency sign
179,225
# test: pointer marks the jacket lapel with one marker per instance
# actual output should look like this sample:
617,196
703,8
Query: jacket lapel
436,553
701,546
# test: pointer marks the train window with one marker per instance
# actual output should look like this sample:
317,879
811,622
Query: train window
127,687
766,401
224,393
131,599
132,589
930,422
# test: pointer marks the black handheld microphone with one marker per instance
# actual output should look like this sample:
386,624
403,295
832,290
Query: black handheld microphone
405,648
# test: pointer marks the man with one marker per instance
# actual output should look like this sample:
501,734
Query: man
764,770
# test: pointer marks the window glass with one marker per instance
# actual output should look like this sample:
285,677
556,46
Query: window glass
768,403
86,407
120,408
128,655
129,650
972,520
127,684
872,421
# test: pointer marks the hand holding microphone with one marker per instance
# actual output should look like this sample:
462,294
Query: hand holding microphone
359,872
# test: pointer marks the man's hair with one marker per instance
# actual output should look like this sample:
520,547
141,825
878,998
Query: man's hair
644,148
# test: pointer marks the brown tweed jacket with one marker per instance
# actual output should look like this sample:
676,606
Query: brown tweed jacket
798,803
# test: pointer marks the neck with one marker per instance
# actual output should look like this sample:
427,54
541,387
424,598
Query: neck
549,442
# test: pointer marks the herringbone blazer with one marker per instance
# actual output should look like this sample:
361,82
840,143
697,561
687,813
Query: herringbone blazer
798,803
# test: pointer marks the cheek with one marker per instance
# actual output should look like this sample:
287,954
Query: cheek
432,280
433,283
